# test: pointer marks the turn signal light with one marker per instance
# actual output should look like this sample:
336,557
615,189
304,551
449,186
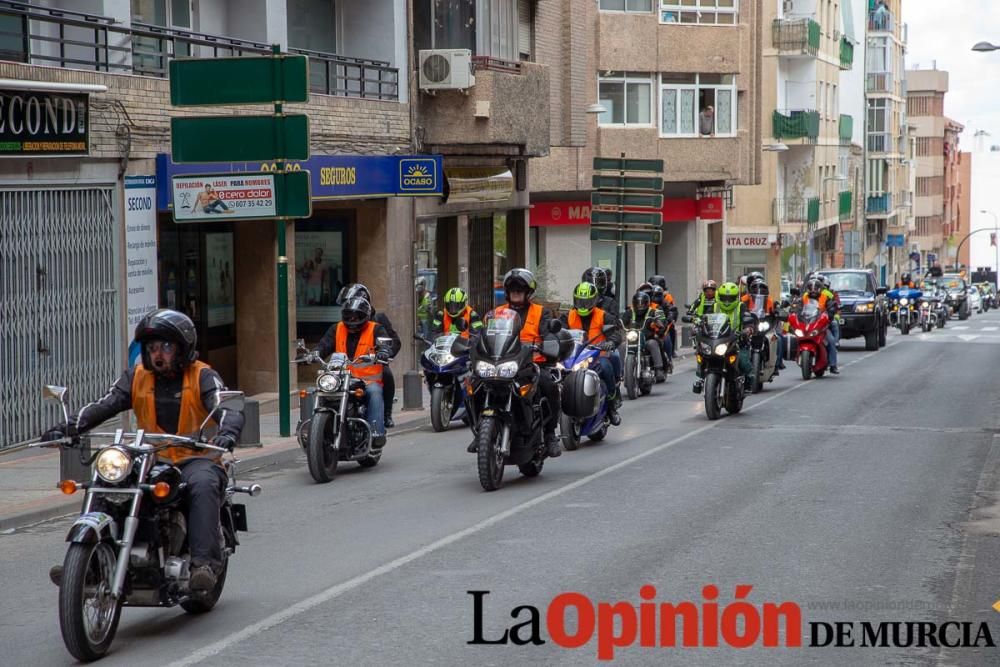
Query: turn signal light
732,359
68,487
359,393
698,358
525,390
161,490
303,393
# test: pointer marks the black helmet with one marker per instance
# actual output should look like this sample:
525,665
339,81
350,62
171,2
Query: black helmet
168,325
640,302
355,314
758,287
521,278
597,276
658,280
905,278
814,287
351,291
645,287
656,295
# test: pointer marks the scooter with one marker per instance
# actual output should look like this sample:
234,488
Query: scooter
446,373
809,328
584,396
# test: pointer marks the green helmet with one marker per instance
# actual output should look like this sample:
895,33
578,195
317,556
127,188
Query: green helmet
728,297
585,298
455,301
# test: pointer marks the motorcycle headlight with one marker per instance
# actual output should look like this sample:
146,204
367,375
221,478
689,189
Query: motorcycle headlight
763,326
800,333
926,304
485,369
328,382
507,369
632,335
903,302
721,349
113,464
442,358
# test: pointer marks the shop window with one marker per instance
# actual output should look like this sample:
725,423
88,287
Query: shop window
712,12
695,105
425,287
321,270
627,96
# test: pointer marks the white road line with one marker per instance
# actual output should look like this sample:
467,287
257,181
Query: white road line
336,591
959,327
990,328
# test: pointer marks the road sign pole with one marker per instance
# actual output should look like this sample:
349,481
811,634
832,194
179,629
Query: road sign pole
619,250
284,358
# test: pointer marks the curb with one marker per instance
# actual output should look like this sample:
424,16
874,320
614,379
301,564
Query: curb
68,507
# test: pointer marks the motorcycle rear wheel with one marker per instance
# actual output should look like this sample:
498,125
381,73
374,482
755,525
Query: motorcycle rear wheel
713,396
599,434
631,381
88,624
320,456
733,397
441,402
806,364
489,454
569,429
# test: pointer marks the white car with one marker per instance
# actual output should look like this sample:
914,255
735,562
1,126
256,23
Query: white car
975,300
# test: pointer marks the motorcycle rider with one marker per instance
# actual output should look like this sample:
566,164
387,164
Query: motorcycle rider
641,314
170,391
518,286
728,303
659,302
456,307
906,280
835,316
823,297
672,315
608,302
423,306
586,316
705,303
358,290
759,291
356,335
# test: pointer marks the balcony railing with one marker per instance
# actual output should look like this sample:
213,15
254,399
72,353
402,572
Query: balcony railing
879,82
879,204
845,201
881,21
795,211
879,142
846,128
846,53
797,124
74,40
798,35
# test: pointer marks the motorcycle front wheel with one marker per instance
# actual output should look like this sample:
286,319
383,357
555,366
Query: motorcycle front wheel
321,457
904,326
88,614
489,454
713,396
441,402
734,397
806,364
755,383
631,379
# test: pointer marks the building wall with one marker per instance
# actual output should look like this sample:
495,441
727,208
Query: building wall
965,205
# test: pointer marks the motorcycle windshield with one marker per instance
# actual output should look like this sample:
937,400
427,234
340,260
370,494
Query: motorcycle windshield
715,325
758,305
336,361
811,312
443,343
578,336
501,336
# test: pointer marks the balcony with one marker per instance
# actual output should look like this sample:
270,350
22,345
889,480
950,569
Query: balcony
879,205
797,124
846,128
846,53
845,204
796,36
880,82
881,21
508,108
795,211
75,40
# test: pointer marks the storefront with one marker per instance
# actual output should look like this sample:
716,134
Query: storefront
748,251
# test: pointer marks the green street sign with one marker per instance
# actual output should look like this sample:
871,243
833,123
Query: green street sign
619,164
629,200
239,138
241,196
652,236
242,80
642,183
598,217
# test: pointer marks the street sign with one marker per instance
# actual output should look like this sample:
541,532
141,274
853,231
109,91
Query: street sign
621,164
242,80
254,195
640,183
616,218
627,200
894,241
239,138
626,235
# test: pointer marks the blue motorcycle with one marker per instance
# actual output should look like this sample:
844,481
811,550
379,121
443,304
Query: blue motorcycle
903,313
446,366
584,396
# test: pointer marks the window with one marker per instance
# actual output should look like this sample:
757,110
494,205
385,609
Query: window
626,5
717,12
697,105
627,96
485,27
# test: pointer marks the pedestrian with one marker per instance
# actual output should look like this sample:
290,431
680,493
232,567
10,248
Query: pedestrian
706,121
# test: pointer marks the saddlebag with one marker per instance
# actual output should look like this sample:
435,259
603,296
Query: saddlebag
581,394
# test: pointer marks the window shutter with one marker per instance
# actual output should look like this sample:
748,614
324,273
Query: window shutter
524,29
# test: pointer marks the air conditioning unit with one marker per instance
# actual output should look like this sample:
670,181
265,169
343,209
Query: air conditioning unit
446,69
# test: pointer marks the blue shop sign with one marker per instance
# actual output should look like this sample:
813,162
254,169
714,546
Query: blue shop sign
894,241
332,176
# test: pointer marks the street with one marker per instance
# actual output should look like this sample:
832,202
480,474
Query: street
865,497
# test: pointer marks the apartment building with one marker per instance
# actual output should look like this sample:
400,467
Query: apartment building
937,203
663,79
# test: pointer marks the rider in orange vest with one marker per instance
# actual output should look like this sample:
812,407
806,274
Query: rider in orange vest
170,391
586,316
456,307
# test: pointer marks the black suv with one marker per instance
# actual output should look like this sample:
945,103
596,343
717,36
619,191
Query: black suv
862,305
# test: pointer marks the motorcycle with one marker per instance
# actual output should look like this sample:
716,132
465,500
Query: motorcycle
338,429
928,313
809,327
584,396
717,354
446,374
128,547
903,313
507,407
763,347
639,376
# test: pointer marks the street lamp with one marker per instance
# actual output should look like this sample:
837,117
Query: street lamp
983,47
996,242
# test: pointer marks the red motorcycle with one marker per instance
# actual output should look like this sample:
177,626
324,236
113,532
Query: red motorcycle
809,327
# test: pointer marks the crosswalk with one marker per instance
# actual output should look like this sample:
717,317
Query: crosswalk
985,332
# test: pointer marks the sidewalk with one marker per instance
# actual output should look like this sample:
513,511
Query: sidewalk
28,477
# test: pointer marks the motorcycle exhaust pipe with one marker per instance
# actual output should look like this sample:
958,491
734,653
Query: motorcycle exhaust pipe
253,490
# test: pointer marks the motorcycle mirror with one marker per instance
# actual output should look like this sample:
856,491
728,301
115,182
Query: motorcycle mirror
300,344
795,291
383,343
687,319
54,392
228,400
555,326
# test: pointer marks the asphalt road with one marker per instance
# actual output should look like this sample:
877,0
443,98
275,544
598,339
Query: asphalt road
865,497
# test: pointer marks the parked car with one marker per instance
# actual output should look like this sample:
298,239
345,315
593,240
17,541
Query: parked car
958,295
975,299
862,305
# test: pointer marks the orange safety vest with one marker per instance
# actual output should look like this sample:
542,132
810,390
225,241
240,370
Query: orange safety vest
192,411
465,315
596,322
822,301
768,305
366,345
530,328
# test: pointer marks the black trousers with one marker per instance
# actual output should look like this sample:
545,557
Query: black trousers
206,483
550,390
388,388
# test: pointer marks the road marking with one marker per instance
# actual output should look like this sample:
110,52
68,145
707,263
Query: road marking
337,590
990,328
959,327
967,338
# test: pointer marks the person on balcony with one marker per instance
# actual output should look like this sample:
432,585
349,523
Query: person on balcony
706,121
